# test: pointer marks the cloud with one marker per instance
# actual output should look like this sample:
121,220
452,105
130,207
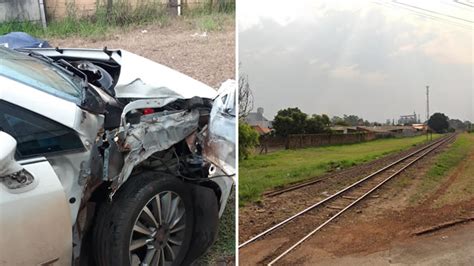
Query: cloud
449,49
353,73
366,60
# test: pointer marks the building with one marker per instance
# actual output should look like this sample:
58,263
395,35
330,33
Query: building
420,127
343,129
261,130
409,119
395,131
257,119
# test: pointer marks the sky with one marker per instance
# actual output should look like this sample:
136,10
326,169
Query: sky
373,59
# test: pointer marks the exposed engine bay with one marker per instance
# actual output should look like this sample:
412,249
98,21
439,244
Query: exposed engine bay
164,133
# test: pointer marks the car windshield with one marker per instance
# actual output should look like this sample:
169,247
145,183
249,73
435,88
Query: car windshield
39,74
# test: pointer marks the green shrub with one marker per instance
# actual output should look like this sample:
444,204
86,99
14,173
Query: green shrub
248,139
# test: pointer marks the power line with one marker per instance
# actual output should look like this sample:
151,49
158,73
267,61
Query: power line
421,14
463,3
431,11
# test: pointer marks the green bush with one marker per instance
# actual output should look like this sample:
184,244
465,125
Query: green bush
248,139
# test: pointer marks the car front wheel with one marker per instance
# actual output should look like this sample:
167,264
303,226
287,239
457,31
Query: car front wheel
149,222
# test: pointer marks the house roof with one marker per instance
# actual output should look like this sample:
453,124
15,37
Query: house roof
261,130
373,129
420,126
384,129
342,128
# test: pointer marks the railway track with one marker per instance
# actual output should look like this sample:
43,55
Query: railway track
307,222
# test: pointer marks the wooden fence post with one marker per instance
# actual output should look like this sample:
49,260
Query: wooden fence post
109,7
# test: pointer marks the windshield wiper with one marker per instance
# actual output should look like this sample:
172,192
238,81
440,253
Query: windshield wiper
36,55
60,64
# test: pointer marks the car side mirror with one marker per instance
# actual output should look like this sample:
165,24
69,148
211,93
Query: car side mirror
8,165
13,176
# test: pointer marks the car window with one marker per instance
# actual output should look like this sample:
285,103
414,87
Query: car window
38,74
36,135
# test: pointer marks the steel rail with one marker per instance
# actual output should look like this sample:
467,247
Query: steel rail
432,148
294,187
337,193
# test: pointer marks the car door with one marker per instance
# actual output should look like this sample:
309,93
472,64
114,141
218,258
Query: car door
35,224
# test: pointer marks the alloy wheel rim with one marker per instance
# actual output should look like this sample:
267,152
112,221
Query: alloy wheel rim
158,231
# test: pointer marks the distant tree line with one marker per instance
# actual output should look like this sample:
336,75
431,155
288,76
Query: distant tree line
294,121
352,120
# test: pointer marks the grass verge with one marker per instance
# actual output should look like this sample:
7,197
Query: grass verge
447,164
263,172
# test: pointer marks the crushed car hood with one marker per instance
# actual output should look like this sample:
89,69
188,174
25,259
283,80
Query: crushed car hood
153,80
139,77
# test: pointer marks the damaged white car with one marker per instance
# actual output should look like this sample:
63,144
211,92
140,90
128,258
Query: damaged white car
107,158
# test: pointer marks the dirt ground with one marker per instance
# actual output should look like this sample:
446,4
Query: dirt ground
451,246
206,56
378,226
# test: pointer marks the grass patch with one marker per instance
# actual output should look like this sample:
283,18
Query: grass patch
224,248
210,7
263,172
443,167
122,17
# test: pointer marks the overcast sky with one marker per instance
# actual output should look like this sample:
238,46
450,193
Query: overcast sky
372,59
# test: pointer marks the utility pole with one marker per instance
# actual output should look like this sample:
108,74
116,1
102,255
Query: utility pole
427,110
427,103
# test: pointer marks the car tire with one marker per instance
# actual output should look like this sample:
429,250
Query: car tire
150,219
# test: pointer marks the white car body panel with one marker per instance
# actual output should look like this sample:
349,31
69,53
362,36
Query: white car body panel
36,225
220,145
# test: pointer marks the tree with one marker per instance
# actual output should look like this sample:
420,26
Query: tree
338,121
326,121
245,96
248,139
289,121
457,124
469,126
353,120
317,124
438,122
